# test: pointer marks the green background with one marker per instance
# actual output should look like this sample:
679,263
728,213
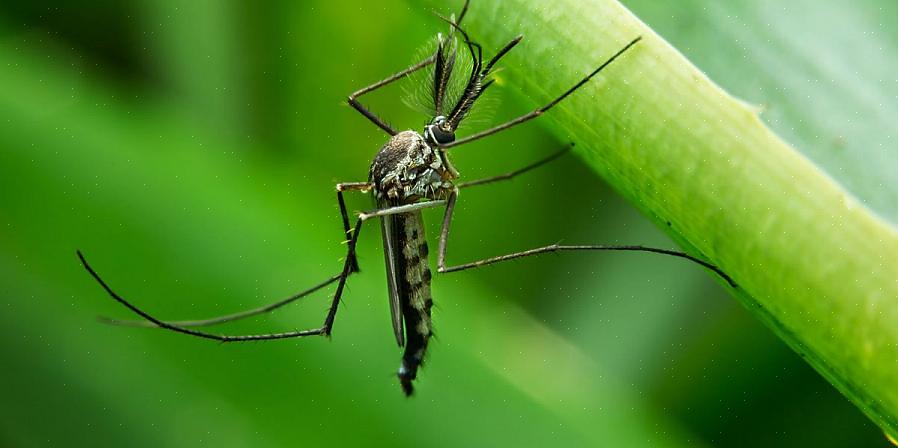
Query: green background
190,150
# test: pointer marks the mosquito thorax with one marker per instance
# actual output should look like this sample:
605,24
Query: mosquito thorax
407,169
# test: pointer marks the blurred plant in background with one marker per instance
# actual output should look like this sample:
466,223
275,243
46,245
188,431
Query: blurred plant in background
191,148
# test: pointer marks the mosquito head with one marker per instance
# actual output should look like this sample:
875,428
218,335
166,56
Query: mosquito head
439,131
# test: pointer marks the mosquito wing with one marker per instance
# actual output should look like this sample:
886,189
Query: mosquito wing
390,225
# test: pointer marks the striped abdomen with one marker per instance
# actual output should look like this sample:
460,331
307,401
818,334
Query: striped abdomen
414,295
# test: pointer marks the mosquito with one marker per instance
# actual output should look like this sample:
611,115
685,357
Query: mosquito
410,173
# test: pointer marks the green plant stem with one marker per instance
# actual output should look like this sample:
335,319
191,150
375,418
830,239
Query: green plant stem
811,261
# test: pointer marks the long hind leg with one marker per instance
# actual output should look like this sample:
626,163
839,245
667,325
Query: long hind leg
341,187
324,330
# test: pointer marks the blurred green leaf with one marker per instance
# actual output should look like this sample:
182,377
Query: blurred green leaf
819,72
702,166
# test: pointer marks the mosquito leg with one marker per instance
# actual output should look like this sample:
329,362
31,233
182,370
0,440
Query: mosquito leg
199,334
228,317
516,172
353,98
407,208
444,236
364,186
324,330
543,109
349,186
444,231
347,266
558,247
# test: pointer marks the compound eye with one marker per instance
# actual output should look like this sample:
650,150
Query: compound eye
441,131
442,137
